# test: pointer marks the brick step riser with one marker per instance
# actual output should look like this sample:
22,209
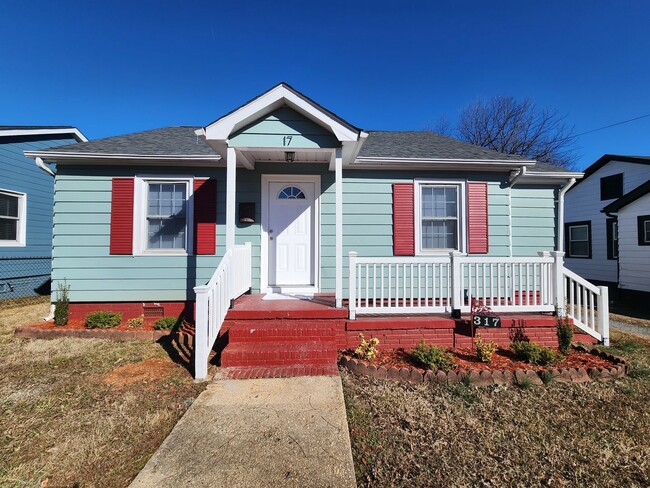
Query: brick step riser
288,355
279,333
233,363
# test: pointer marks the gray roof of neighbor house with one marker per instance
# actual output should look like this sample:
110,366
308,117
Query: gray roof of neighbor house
182,141
34,127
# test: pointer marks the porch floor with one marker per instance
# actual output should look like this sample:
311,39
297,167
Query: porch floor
321,306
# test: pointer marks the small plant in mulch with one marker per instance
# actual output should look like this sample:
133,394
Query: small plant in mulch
62,304
135,322
166,323
367,350
103,320
534,353
432,357
564,334
484,349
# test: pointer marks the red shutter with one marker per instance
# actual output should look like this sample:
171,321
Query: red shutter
205,216
403,220
121,240
477,218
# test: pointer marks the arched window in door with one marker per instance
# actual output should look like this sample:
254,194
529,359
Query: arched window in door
291,192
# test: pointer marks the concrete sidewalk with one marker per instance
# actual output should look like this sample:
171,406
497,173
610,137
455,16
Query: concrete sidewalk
262,432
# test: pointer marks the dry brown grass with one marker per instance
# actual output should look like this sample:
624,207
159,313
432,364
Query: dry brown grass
59,420
594,434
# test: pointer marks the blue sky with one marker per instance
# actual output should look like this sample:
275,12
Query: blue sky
122,66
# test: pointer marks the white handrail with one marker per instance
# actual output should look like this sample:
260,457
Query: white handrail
587,305
231,279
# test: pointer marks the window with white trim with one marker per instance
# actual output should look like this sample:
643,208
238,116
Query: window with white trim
578,235
438,217
13,218
163,212
643,223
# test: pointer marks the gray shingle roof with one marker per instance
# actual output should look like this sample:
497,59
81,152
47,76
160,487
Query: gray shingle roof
168,141
426,145
182,141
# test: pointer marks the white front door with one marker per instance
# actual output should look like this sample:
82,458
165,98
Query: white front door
291,233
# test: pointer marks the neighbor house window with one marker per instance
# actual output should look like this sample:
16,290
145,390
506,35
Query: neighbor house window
612,238
611,187
12,218
578,236
163,215
643,223
438,219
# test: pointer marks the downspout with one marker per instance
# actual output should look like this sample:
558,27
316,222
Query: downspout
522,172
560,214
48,170
44,167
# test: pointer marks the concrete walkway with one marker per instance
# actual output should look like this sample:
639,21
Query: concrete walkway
288,432
632,329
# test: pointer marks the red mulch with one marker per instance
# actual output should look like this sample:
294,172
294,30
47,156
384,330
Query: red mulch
79,324
503,359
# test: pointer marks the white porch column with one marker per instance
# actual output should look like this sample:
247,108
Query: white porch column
231,182
338,185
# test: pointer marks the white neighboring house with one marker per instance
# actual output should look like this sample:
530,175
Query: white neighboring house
601,235
632,213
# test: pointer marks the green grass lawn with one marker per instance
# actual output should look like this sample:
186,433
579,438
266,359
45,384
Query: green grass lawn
66,421
591,434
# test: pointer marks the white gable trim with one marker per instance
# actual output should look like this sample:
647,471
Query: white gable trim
76,133
275,98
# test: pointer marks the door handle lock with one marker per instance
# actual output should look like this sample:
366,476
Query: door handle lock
271,238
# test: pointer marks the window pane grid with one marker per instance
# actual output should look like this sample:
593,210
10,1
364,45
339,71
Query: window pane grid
166,215
439,217
579,241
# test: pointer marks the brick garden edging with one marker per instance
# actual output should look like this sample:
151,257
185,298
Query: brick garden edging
28,332
497,377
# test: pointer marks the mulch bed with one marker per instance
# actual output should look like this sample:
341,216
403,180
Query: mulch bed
76,328
503,359
580,365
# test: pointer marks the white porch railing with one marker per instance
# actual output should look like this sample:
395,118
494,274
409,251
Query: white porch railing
587,305
421,285
231,279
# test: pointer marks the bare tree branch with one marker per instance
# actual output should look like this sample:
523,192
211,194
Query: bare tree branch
517,127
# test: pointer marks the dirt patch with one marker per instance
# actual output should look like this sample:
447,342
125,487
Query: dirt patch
146,371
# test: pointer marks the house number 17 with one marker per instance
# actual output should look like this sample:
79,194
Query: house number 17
286,140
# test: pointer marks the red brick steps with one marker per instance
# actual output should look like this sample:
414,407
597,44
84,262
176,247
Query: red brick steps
279,354
250,372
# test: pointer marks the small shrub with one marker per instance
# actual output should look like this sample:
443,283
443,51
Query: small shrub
62,304
135,322
546,377
103,320
534,353
432,357
564,334
484,350
367,349
525,384
165,323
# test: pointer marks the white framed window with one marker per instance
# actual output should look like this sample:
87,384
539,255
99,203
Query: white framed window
439,216
163,215
13,218
578,239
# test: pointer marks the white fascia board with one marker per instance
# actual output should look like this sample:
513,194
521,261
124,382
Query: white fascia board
68,157
223,128
38,132
505,162
428,164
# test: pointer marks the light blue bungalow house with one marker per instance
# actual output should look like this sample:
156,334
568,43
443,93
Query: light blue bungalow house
283,197
26,199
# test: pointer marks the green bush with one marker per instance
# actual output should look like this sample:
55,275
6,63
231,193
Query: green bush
62,304
564,334
166,323
103,320
534,353
432,357
484,350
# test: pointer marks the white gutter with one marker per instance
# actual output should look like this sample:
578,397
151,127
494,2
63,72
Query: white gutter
560,214
513,179
41,165
53,155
